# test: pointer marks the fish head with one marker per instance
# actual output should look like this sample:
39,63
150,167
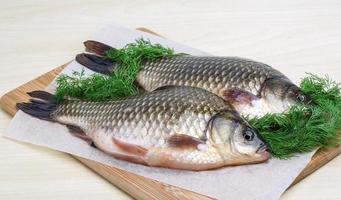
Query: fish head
237,142
281,93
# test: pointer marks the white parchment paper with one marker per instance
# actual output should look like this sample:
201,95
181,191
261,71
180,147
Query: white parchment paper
262,181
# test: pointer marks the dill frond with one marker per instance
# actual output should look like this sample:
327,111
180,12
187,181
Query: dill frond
299,130
305,128
121,83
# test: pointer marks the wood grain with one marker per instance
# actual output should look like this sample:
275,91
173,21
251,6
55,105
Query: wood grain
137,186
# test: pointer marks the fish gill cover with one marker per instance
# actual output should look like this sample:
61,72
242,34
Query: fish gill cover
301,129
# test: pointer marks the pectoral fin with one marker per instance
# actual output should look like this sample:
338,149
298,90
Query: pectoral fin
236,96
184,141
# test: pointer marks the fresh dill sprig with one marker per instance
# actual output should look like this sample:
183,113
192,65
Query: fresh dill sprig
305,128
299,130
121,83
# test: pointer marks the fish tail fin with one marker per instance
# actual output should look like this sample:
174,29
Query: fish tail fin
96,63
96,47
40,106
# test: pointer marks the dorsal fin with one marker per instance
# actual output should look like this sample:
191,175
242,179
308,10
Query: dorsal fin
166,87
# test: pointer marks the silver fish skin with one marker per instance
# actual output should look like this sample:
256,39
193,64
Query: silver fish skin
176,127
252,87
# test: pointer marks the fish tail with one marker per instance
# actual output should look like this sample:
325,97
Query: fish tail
96,63
96,47
40,106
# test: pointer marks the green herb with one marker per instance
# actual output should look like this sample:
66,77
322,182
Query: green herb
121,83
303,129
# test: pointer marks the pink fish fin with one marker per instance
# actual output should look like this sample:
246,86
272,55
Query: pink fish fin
130,148
78,132
236,96
184,141
129,158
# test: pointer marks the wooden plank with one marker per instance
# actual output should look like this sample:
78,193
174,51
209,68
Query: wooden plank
320,158
137,186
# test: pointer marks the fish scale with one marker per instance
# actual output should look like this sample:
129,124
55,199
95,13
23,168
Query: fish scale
253,88
193,71
157,113
177,127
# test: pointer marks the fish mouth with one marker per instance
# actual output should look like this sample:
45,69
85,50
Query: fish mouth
262,148
264,152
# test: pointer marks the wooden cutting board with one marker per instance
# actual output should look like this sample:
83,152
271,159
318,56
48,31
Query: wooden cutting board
138,186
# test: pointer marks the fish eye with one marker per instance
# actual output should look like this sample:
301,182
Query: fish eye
301,97
248,135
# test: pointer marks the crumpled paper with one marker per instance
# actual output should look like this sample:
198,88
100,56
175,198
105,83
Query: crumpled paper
260,181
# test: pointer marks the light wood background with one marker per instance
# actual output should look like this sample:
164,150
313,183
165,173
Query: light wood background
36,36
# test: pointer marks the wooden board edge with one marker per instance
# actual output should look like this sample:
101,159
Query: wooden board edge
324,155
148,31
140,187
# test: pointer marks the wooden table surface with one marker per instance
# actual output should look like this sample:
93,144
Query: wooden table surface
35,36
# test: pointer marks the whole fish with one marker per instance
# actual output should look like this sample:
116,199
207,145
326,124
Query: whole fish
253,88
176,127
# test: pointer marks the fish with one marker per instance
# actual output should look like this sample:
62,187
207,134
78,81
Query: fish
253,88
173,127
